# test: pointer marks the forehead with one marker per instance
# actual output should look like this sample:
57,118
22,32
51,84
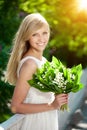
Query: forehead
42,28
39,24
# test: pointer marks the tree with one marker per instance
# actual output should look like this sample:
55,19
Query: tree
68,25
68,40
9,22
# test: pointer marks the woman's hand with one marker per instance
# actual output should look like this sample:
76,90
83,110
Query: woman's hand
60,100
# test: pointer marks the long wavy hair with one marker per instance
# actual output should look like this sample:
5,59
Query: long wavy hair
30,24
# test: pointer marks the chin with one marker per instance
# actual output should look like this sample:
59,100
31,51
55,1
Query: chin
41,48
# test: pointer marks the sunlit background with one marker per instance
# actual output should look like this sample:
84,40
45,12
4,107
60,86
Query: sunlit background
68,41
82,5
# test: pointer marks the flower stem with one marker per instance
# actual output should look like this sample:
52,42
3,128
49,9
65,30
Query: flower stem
65,107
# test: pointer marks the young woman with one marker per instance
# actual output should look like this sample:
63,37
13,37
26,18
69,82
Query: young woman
40,108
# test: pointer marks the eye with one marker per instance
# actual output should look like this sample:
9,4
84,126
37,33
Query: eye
35,34
45,33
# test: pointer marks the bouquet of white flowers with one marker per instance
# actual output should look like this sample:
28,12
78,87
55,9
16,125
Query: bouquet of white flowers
55,77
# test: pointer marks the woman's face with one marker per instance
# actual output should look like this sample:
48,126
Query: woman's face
39,39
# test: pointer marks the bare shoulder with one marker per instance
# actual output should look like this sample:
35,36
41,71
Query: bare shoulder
30,63
28,68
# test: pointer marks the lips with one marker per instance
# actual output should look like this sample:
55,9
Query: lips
41,44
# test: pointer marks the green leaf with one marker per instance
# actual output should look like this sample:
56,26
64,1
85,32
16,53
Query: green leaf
44,77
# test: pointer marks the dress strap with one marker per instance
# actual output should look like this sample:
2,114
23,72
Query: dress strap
37,61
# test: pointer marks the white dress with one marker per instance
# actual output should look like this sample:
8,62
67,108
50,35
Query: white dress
43,120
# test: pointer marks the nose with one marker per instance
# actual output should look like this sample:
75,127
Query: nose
41,38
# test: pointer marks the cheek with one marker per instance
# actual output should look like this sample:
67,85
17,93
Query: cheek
47,38
32,40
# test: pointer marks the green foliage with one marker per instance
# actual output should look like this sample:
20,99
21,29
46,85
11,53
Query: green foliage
69,33
68,28
9,22
68,41
6,90
55,77
5,98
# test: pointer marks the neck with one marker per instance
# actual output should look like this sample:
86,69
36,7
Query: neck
36,54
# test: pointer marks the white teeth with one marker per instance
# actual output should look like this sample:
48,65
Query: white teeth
41,44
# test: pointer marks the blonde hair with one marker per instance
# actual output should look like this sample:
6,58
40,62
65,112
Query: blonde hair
30,23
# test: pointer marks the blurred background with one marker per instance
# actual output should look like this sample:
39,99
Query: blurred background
68,41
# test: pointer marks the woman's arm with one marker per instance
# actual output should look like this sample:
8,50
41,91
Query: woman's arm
22,88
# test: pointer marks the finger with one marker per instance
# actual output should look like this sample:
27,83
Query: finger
61,95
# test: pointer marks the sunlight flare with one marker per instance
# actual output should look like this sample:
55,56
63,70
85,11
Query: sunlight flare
82,5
